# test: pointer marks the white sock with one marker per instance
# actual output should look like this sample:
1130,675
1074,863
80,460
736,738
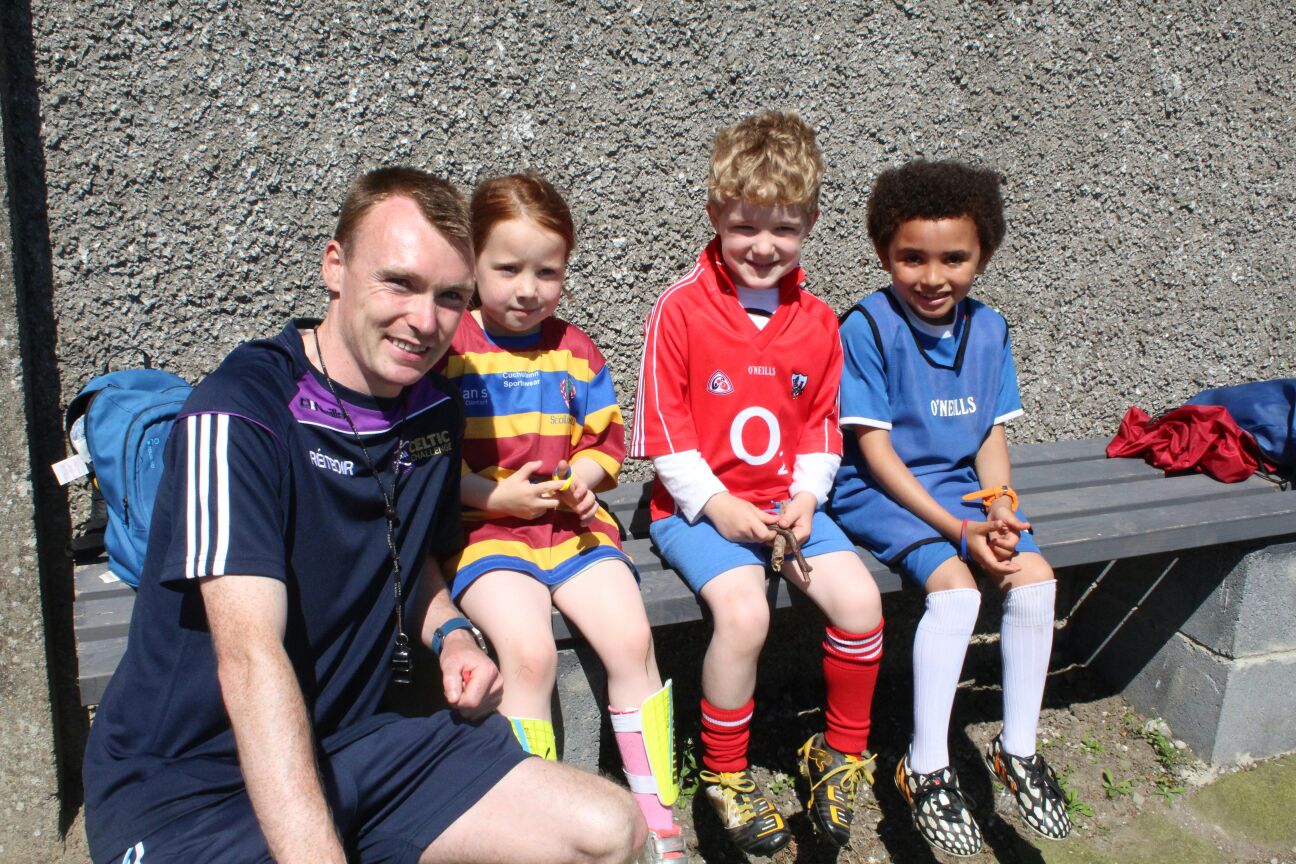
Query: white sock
939,647
1025,641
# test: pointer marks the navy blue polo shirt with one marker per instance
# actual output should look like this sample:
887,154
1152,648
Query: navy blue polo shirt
265,478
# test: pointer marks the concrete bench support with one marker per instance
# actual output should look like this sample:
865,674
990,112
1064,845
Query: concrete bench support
1204,640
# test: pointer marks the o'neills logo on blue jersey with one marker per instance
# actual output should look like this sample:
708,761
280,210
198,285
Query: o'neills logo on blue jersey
719,384
953,407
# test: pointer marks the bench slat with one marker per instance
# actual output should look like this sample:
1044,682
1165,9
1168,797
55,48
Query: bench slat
1054,452
94,580
1124,534
1140,494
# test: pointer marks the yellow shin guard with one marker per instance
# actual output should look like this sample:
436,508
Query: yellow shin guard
535,736
655,721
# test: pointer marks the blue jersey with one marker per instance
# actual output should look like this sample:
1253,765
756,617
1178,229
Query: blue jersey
264,478
938,397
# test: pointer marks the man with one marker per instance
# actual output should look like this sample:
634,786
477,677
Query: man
310,483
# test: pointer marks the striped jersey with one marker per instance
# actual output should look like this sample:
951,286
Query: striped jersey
750,400
264,477
545,396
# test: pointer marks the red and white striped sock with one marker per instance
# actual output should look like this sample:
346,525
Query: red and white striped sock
850,668
725,734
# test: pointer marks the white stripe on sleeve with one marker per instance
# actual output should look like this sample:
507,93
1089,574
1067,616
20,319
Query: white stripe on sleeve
191,500
204,486
222,494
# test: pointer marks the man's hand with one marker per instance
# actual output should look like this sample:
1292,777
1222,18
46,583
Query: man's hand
737,520
517,496
471,682
578,496
798,514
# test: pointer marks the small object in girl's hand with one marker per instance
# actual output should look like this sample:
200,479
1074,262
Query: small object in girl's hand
566,481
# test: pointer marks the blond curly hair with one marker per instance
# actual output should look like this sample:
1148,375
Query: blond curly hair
768,159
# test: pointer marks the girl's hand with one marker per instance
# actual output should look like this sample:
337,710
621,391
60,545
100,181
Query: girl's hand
737,520
798,514
517,496
578,496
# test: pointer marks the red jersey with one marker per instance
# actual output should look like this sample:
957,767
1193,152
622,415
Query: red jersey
750,400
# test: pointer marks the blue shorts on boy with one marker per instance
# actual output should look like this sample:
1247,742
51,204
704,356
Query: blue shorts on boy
939,398
699,553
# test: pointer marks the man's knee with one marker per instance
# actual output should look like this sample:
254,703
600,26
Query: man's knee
598,821
613,828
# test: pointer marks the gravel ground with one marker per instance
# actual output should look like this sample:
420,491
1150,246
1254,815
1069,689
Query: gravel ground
1113,763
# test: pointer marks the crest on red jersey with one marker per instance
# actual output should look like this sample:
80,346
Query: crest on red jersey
719,384
798,384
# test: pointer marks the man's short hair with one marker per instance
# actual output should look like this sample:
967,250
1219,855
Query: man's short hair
945,189
768,159
441,204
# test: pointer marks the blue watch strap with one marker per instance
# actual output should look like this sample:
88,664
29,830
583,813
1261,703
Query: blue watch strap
448,627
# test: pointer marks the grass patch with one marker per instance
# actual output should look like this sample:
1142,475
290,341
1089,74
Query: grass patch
1257,804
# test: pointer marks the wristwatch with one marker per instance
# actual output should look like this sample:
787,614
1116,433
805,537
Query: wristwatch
453,624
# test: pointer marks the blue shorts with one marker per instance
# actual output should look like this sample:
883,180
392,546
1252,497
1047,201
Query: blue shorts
699,553
550,578
921,561
393,789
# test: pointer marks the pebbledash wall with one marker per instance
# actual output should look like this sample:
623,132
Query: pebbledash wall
194,155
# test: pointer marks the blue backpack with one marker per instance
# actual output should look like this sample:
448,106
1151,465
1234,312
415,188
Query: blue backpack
125,418
1266,409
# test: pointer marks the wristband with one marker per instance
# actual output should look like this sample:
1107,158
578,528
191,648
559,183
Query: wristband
566,481
992,494
963,541
451,625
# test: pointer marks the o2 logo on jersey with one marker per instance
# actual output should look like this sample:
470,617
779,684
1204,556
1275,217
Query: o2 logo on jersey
798,384
719,384
739,424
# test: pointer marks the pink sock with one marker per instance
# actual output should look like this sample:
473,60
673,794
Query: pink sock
635,759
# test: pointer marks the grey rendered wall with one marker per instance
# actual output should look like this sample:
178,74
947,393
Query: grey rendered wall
196,153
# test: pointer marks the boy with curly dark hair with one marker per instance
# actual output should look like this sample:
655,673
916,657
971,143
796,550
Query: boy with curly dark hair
925,482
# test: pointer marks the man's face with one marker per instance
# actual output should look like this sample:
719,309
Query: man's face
395,299
760,244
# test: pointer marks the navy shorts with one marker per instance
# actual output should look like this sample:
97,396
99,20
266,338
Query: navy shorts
699,553
393,789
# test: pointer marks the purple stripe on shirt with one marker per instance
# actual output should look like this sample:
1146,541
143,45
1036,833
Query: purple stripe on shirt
314,404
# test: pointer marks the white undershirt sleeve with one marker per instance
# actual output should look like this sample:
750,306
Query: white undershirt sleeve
814,473
689,480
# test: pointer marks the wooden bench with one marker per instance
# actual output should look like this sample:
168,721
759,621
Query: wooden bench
1084,508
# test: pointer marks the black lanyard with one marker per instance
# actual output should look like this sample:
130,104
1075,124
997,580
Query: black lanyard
402,662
